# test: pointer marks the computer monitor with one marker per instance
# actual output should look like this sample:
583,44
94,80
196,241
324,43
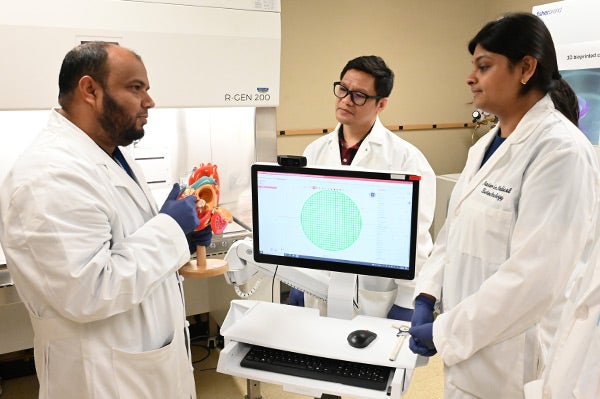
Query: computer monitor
343,220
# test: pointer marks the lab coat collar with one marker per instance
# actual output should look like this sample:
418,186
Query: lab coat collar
134,186
377,133
531,120
116,174
375,137
525,128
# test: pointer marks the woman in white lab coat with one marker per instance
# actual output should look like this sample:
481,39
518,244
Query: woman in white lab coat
378,149
573,370
92,259
521,217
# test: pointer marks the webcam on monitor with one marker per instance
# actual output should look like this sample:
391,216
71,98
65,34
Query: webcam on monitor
291,160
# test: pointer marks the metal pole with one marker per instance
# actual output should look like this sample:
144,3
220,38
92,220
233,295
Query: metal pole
253,389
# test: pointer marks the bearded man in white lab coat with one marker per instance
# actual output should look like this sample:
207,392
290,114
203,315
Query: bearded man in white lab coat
91,256
360,140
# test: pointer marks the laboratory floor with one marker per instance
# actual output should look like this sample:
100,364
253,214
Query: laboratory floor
427,382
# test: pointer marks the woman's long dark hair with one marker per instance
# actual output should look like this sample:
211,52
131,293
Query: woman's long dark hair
516,35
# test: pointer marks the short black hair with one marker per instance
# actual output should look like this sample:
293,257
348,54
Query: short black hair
375,66
86,59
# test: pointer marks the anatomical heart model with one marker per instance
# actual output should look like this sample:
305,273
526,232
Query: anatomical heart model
204,184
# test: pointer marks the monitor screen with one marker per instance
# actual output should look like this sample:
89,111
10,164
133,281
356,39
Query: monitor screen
344,220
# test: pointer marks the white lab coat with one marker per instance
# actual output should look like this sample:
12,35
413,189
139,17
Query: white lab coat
516,229
383,150
96,266
573,371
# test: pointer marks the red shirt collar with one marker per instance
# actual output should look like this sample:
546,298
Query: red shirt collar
347,153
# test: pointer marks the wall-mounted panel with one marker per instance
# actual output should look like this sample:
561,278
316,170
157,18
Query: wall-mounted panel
195,56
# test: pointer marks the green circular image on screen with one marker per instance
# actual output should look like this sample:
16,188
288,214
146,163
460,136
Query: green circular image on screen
331,220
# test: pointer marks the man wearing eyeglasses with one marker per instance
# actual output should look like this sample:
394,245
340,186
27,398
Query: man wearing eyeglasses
361,140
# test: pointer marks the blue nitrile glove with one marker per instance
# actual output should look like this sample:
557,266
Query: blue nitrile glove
296,297
183,210
423,311
400,313
202,237
421,340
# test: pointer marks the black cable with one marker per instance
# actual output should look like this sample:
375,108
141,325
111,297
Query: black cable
273,285
197,338
208,369
355,300
208,351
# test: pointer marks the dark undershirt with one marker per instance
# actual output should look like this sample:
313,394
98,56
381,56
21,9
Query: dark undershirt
120,160
493,147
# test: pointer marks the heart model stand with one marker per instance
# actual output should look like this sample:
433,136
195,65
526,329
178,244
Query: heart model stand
201,267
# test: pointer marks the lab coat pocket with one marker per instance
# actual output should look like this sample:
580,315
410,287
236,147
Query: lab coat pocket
484,232
60,370
151,374
500,365
375,303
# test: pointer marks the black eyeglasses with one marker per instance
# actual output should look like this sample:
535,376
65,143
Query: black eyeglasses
358,98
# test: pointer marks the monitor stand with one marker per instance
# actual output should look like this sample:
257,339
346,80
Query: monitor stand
340,302
340,295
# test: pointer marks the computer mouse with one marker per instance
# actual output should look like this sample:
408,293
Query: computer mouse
361,338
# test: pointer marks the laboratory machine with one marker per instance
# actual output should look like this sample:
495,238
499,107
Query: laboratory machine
214,76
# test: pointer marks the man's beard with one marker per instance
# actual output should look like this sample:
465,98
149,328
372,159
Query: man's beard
115,121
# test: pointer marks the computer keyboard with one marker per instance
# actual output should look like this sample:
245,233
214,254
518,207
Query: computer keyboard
319,368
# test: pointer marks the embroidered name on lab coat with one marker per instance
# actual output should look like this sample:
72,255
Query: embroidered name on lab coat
495,191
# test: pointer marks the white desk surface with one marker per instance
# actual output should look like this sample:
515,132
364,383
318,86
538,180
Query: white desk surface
302,330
